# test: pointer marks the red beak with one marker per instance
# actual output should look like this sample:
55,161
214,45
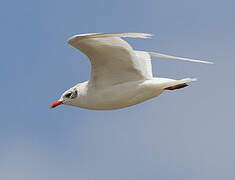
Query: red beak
57,103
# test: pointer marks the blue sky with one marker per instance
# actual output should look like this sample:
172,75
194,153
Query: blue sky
185,134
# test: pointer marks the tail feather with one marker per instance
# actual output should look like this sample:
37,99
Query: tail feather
177,84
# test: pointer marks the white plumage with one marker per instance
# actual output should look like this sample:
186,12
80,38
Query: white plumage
120,76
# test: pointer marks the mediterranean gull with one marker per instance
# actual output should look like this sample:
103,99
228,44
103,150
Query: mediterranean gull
120,76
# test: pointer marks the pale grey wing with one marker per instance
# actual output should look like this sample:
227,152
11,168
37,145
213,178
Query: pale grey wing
144,59
113,60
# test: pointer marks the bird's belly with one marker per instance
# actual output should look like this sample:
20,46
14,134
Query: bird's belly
122,95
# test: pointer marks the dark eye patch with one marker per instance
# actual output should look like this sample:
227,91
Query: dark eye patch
68,95
74,94
71,95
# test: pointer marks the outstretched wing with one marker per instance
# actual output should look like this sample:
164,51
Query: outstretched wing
154,54
113,60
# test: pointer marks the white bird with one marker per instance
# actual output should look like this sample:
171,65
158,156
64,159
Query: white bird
120,76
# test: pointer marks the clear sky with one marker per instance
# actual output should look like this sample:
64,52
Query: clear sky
187,134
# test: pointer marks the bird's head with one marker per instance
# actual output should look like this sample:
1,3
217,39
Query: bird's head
68,97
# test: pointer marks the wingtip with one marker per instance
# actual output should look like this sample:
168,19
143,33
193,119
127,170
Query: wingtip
205,62
208,62
159,55
146,35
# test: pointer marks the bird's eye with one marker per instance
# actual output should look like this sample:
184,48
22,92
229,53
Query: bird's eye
68,95
71,95
74,94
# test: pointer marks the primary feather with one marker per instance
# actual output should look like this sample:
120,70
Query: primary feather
154,54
